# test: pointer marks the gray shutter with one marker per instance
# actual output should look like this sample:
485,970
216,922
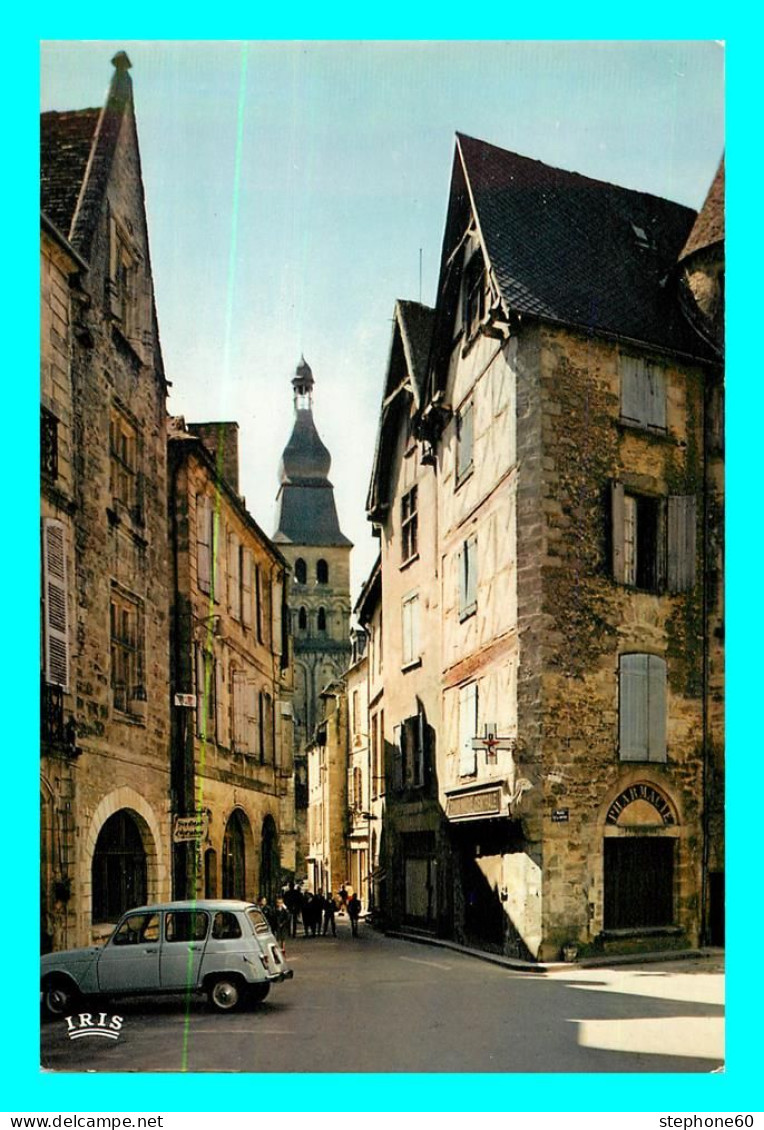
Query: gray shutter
470,550
56,604
246,587
633,391
419,774
681,542
203,542
632,707
617,531
397,759
656,382
462,567
656,703
220,702
467,729
661,550
219,552
201,699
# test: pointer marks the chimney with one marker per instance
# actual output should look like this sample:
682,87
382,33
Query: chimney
222,442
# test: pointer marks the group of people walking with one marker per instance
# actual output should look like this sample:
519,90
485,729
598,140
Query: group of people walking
314,909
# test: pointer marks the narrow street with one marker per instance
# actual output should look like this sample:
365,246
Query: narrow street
382,1004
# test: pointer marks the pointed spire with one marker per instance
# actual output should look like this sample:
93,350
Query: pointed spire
302,383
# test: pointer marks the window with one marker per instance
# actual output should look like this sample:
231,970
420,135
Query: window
356,712
642,708
374,756
464,437
654,540
643,393
408,753
322,572
48,444
357,789
265,722
210,547
410,611
409,525
122,285
137,930
474,294
126,651
468,728
300,571
243,717
468,578
225,926
185,926
206,694
119,872
123,463
321,620
55,604
302,619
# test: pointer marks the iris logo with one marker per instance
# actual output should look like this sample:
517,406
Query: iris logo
106,1027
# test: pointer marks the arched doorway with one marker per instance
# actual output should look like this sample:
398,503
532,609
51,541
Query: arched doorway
640,859
270,861
119,873
234,858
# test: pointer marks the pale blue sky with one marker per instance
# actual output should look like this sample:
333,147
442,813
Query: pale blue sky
344,161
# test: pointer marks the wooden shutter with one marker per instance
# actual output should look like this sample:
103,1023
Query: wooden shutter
470,559
239,734
55,597
246,587
418,735
632,708
656,385
251,721
202,701
635,391
468,705
682,526
656,708
219,552
234,577
397,766
617,531
203,542
220,702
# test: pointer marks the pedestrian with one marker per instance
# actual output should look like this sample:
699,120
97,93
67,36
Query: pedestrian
293,900
343,898
267,910
283,920
354,913
330,909
318,911
307,912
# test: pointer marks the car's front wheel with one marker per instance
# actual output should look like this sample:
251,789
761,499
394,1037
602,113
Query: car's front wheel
59,997
225,993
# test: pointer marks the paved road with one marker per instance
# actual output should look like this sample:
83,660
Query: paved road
382,1004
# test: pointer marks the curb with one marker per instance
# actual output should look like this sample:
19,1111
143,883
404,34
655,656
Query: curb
554,966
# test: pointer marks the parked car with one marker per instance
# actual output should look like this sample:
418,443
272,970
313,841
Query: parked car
222,947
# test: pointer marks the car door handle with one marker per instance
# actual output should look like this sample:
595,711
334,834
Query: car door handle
152,950
195,948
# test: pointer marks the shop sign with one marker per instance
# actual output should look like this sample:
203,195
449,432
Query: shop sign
472,805
186,829
640,792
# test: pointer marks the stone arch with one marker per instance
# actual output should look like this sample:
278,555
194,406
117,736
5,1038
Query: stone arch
148,826
237,856
270,859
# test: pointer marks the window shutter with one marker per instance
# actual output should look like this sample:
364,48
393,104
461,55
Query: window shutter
246,587
681,542
632,405
202,703
220,704
397,759
266,615
661,563
656,385
462,567
467,729
203,542
219,550
239,735
419,770
250,709
656,701
470,550
617,532
56,606
234,577
633,707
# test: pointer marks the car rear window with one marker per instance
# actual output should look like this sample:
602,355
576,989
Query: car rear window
258,920
185,926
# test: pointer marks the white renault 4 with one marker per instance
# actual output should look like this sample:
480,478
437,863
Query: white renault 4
223,948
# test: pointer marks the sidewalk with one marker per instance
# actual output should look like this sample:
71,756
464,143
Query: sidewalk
710,958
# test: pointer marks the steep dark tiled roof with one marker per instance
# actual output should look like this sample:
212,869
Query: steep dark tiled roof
578,251
65,143
708,229
417,323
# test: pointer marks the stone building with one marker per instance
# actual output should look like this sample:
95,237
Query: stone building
568,421
309,537
327,816
358,865
368,610
232,760
105,822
